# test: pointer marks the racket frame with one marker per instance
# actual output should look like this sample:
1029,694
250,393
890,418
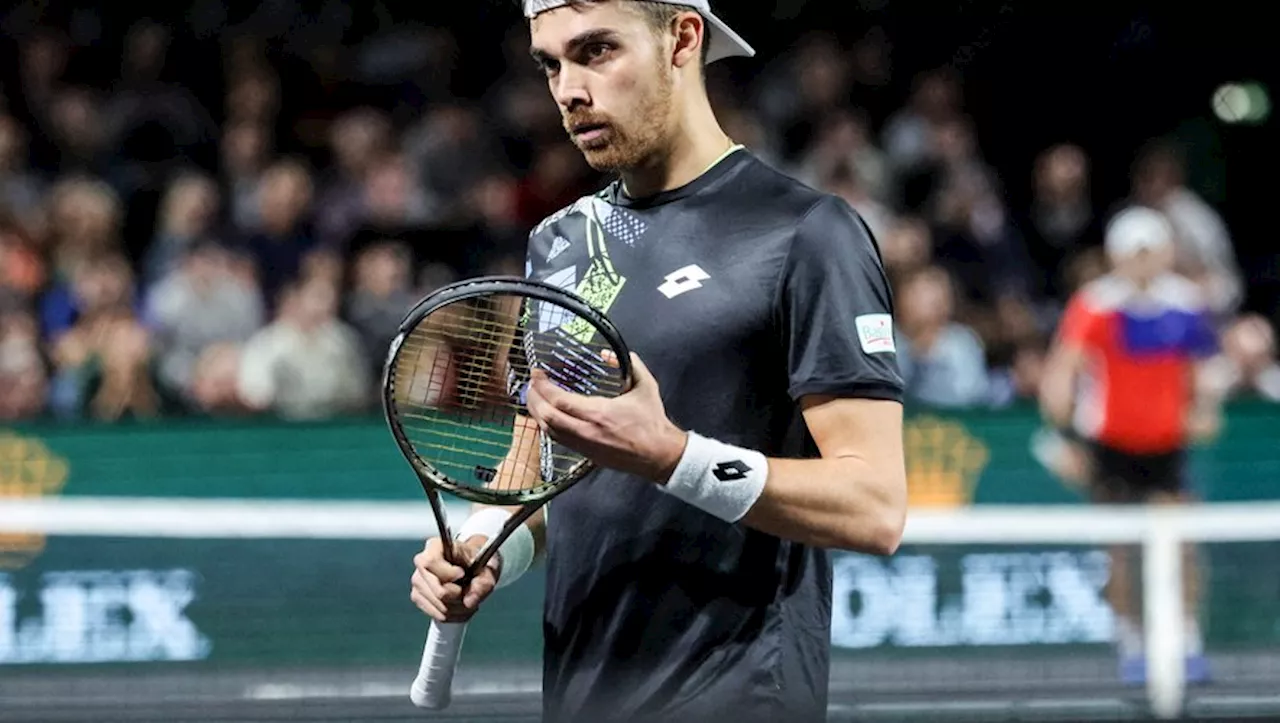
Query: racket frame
431,478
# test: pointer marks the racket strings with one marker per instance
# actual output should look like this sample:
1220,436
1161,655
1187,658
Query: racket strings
458,385
569,363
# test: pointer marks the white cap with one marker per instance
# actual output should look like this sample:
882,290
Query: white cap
723,42
1137,229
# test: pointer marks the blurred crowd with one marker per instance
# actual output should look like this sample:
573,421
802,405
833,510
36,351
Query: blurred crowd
165,251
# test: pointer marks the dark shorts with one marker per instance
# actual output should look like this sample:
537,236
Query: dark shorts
1118,476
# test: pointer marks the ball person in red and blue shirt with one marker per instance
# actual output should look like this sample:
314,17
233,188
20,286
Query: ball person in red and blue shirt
1123,378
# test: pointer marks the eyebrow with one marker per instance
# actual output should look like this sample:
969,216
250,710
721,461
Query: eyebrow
591,36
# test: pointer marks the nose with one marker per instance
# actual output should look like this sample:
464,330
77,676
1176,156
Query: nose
570,88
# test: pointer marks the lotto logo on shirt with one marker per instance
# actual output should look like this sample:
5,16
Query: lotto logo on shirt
875,333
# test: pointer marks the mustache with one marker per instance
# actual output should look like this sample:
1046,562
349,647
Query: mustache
579,120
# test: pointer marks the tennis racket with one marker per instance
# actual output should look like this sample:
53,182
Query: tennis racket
453,386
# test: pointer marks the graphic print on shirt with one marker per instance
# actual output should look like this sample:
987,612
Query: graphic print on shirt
599,283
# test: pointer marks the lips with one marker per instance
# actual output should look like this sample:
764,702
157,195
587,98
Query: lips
580,129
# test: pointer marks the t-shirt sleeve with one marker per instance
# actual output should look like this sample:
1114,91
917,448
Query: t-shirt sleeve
836,309
1079,326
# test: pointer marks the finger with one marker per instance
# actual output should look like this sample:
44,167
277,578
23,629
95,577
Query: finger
479,589
439,592
565,429
609,357
576,405
427,606
641,376
551,420
433,555
433,562
536,405
443,592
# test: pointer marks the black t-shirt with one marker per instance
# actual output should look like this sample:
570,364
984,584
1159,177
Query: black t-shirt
741,292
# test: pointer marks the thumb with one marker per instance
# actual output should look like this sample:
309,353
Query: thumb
640,375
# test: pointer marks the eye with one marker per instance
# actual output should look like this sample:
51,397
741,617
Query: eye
548,67
597,51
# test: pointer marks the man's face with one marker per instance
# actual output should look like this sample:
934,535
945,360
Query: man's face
611,79
1145,265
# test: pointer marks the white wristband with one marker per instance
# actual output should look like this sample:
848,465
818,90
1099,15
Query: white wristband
516,553
717,478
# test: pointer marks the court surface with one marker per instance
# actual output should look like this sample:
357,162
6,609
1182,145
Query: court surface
1010,688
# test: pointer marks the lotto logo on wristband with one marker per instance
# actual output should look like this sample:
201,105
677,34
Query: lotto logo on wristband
730,471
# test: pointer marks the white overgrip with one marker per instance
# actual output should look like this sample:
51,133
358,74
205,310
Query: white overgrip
433,688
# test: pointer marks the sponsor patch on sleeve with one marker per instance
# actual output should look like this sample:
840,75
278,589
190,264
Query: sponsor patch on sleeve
875,333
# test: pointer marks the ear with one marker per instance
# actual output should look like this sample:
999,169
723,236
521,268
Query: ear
690,33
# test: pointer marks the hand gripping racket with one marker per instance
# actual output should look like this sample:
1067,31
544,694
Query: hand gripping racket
453,391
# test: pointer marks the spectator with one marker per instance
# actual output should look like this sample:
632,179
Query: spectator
557,179
1061,222
394,207
99,159
499,234
23,378
358,139
85,216
380,296
1089,266
20,189
253,96
745,127
200,302
910,134
942,360
906,247
215,382
844,181
187,214
307,364
103,362
976,240
246,153
42,64
284,237
1248,365
391,197
450,151
1018,382
151,125
844,142
524,120
79,132
800,90
1205,252
22,269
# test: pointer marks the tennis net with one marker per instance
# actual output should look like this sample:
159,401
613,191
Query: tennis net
166,609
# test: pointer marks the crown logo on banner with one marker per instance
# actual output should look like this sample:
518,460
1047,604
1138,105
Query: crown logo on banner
944,462
27,469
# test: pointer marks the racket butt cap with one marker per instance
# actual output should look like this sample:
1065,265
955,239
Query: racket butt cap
424,699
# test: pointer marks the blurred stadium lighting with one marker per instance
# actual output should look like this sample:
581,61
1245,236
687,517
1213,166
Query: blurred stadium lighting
1246,103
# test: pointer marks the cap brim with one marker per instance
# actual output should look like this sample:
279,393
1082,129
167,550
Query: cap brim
724,42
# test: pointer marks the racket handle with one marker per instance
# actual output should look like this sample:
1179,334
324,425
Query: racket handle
433,688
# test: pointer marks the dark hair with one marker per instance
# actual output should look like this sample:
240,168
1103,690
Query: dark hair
659,16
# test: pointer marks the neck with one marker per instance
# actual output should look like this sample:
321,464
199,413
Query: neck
697,142
1141,283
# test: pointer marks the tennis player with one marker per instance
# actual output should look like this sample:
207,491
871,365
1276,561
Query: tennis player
1123,377
688,578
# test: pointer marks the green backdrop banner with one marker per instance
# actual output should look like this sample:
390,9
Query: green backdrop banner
307,603
292,604
974,457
